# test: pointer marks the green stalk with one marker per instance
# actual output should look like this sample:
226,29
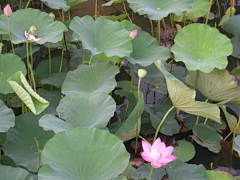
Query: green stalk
159,32
20,4
63,15
32,77
142,138
197,120
234,133
124,7
9,33
184,19
31,55
39,154
196,80
28,69
146,90
150,174
165,28
232,6
205,120
138,113
23,108
219,9
209,9
27,4
50,61
69,15
159,126
84,54
96,7
60,68
90,61
172,25
227,136
151,23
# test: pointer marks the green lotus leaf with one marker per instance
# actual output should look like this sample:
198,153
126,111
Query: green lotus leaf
185,151
46,27
120,17
183,98
128,128
109,3
218,175
84,154
208,137
236,45
99,77
20,144
81,110
232,26
3,24
197,45
42,70
55,80
1,45
178,170
103,57
124,88
236,145
101,36
70,32
10,173
25,92
21,51
75,2
7,69
7,119
56,4
145,47
158,9
217,86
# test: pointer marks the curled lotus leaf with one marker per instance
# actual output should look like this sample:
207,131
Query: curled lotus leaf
197,45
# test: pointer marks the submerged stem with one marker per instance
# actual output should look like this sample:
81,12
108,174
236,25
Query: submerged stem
39,155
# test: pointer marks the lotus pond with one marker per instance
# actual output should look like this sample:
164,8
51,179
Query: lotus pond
119,90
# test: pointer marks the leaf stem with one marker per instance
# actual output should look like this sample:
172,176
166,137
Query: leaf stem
9,33
39,155
196,80
124,7
227,136
159,32
90,61
50,61
27,4
209,9
150,174
151,23
172,24
165,28
60,68
96,7
84,54
219,9
232,6
142,138
69,15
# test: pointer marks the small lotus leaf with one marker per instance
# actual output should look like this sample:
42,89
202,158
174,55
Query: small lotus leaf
125,88
10,173
218,175
99,77
217,86
7,119
197,45
56,4
158,9
145,47
7,69
84,154
25,92
21,51
183,98
74,2
55,80
101,36
109,3
21,145
232,26
185,151
120,17
46,27
81,110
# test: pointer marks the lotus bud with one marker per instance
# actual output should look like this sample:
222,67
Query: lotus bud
7,10
142,73
32,30
133,34
51,15
123,62
66,33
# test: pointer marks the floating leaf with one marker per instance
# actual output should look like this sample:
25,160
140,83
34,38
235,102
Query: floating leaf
197,45
75,2
208,137
25,92
109,3
81,110
10,173
7,119
101,36
84,154
20,144
99,77
120,17
55,80
7,69
145,47
125,88
46,27
217,86
185,151
157,10
218,175
56,4
183,98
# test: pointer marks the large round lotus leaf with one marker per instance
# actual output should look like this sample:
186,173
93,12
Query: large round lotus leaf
102,35
197,45
185,151
72,3
42,70
158,9
81,110
7,119
183,98
20,144
46,27
7,69
99,77
145,47
217,86
232,26
10,173
84,154
25,92
56,4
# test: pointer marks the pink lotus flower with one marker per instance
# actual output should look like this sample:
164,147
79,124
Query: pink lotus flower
158,154
133,34
7,10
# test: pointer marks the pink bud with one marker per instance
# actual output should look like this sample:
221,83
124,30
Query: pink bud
66,33
133,34
7,10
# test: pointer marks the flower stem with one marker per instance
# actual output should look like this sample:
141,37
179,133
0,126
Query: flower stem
50,61
124,7
159,126
39,155
234,133
209,9
32,77
138,113
151,23
227,136
9,33
150,174
29,73
31,55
